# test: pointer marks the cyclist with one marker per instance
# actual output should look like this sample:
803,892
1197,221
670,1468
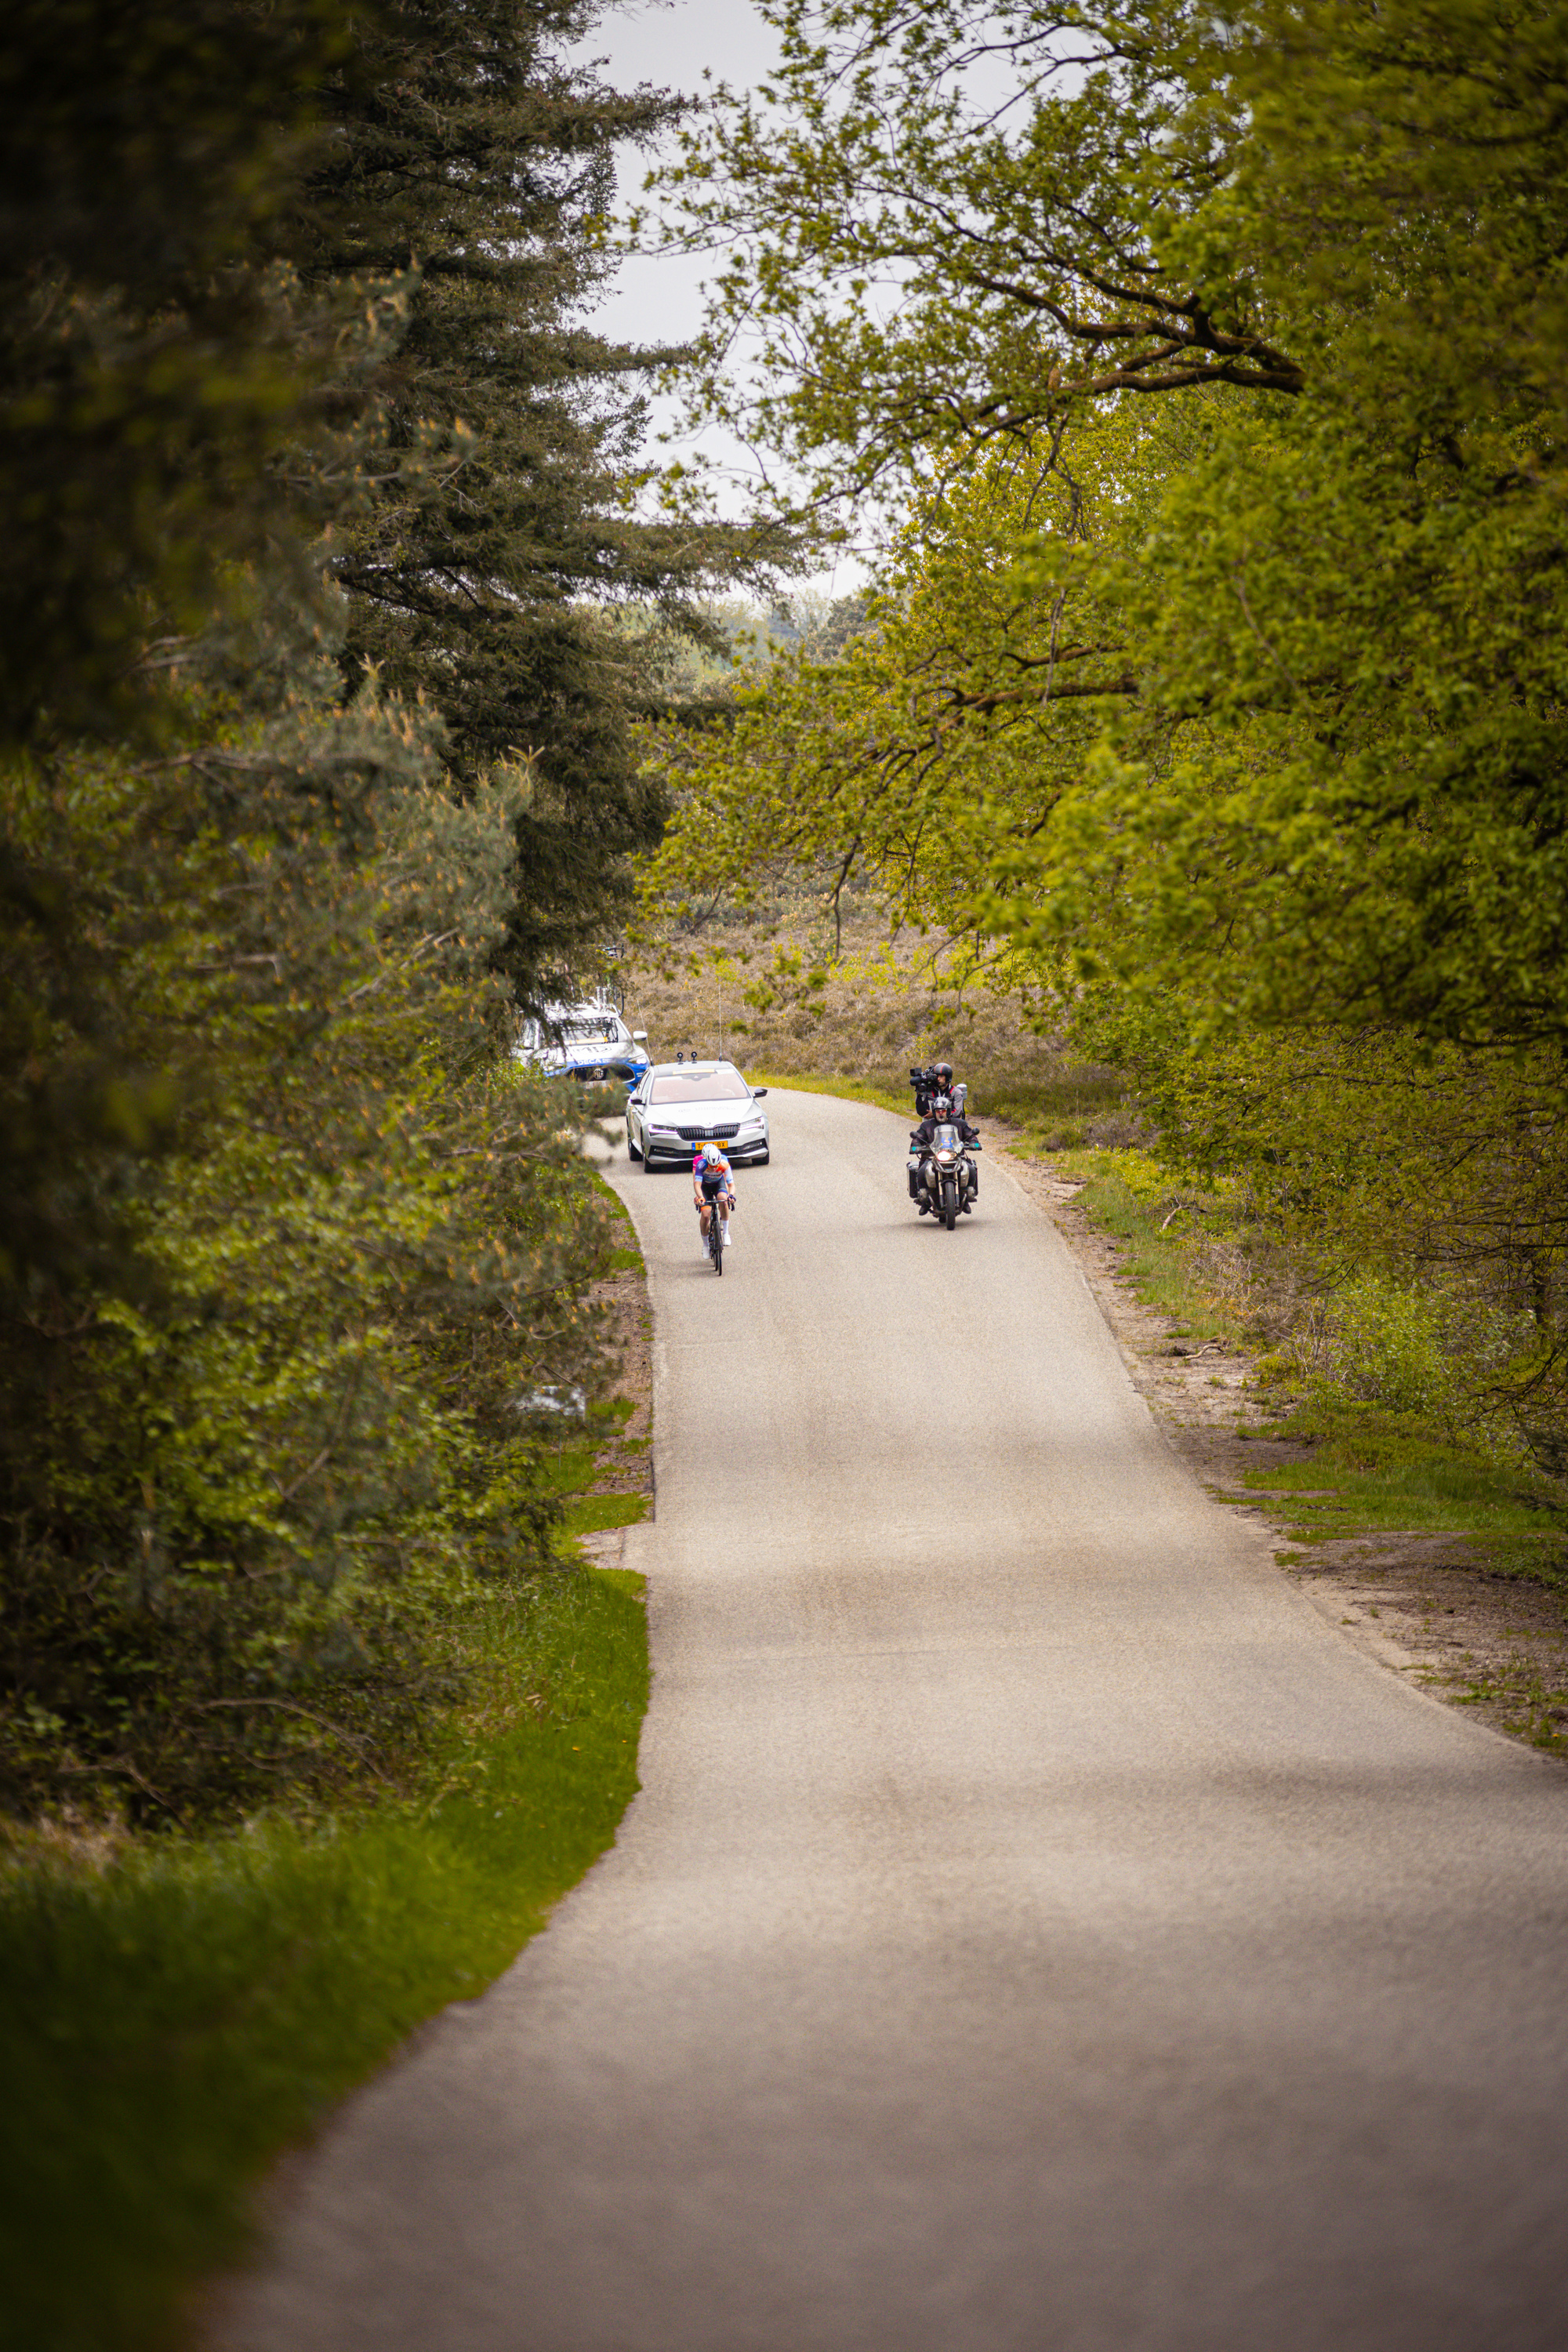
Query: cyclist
713,1188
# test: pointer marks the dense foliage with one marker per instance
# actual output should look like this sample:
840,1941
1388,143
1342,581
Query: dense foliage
312,755
255,1451
1218,686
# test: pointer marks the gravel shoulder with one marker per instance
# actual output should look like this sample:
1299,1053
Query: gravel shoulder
624,1464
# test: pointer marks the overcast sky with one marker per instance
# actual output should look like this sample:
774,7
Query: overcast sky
690,46
673,44
658,299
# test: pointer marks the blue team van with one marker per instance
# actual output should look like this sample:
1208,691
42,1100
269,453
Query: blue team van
587,1040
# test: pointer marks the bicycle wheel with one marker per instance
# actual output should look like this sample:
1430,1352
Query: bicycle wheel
716,1239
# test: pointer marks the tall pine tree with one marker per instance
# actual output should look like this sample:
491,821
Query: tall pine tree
474,158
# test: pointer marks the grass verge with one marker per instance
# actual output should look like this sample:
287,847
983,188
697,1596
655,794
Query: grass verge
1369,1470
1128,1195
1373,1472
844,1090
175,2017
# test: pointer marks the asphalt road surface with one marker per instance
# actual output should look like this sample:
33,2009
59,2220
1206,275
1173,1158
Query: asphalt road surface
1039,1931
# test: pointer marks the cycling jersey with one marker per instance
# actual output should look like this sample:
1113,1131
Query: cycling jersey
711,1174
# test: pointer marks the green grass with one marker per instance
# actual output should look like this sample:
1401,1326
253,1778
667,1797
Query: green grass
624,1257
570,1476
1369,1471
844,1089
1127,1195
573,1464
1385,1473
173,2020
595,1513
570,1469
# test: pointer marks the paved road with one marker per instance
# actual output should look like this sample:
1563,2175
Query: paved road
1039,1931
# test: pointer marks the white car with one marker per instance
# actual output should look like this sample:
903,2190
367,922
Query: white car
675,1107
587,1040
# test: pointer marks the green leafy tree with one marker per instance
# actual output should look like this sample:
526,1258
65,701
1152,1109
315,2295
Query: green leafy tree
1332,236
244,1490
153,365
1298,269
160,369
930,750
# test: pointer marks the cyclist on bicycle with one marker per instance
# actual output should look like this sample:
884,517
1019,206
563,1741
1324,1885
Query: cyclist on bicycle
713,1187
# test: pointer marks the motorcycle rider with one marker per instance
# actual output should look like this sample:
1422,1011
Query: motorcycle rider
939,1101
940,1111
926,1132
931,1086
717,1194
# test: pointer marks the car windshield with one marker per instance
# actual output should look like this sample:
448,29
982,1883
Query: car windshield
946,1138
701,1086
606,1031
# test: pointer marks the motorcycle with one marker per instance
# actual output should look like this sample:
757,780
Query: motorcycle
944,1182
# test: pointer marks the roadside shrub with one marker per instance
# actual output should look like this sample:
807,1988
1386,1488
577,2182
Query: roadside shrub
1385,1345
1428,1348
257,1436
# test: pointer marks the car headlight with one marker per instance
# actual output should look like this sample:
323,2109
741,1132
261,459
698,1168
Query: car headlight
673,1132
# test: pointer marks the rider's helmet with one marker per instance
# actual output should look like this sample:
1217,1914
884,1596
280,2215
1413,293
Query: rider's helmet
711,1155
943,1073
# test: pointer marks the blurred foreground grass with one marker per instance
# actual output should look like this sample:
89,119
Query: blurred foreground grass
173,2016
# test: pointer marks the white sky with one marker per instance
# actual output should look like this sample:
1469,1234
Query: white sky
657,298
672,43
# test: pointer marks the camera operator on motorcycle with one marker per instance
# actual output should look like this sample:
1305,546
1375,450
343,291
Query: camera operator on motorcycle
713,1188
940,1104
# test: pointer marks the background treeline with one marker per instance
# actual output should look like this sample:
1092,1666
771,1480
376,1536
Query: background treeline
316,760
1215,692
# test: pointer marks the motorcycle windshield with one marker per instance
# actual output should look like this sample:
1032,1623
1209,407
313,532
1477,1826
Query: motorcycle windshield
946,1140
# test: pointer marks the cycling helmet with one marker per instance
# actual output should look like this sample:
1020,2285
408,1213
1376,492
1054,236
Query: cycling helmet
711,1154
